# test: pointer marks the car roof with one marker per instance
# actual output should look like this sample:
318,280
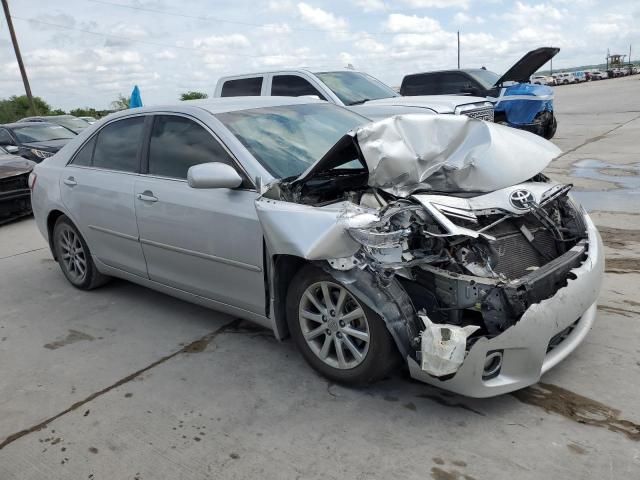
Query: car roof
27,124
223,104
48,116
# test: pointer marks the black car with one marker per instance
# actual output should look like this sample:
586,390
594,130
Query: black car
15,196
34,140
517,102
75,124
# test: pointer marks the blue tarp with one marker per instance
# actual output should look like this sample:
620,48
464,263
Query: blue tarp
136,100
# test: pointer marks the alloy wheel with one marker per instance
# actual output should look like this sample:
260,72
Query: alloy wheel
73,256
334,325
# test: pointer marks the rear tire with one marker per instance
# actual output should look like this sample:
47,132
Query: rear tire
74,257
324,317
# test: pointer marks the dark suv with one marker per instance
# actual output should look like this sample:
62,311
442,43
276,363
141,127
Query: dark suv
518,103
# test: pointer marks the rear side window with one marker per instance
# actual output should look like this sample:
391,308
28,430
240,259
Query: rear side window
85,154
178,143
435,84
5,138
242,87
293,86
117,145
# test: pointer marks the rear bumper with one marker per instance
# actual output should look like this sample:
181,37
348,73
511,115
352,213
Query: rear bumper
528,350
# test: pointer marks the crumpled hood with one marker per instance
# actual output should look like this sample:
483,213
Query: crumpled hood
452,153
437,103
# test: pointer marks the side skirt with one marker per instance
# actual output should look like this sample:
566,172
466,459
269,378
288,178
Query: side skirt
186,296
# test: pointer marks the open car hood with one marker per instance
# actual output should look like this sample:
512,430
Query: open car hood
444,153
522,70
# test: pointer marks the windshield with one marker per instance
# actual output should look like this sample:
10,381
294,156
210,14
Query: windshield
486,78
73,123
286,140
41,133
355,87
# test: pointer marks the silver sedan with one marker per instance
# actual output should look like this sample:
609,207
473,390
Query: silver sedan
415,239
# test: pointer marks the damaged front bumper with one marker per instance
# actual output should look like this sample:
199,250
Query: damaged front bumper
546,333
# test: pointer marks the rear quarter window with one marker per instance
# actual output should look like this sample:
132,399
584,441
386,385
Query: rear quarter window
242,87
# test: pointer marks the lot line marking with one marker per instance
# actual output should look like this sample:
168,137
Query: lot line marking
22,253
194,346
597,138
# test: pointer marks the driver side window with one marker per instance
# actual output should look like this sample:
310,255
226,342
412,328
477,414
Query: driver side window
178,143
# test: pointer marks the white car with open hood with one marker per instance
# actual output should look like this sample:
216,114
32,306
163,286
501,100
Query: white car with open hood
428,239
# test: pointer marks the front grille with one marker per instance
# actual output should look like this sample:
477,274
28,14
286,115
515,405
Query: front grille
17,182
517,257
483,113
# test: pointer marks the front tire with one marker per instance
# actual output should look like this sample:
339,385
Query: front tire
338,336
74,257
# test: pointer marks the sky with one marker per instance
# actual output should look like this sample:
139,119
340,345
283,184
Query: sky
86,52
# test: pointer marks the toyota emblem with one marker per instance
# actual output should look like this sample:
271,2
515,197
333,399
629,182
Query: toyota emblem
521,199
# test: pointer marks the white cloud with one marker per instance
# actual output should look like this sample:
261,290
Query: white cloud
437,3
462,18
371,5
235,40
164,55
397,22
321,18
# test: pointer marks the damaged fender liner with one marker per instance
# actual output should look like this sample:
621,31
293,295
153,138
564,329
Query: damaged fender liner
387,298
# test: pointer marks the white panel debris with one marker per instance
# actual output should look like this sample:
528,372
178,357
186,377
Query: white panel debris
443,347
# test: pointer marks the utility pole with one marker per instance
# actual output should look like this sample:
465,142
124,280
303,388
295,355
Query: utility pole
458,49
23,72
551,67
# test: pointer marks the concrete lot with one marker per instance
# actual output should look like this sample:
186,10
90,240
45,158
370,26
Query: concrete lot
125,383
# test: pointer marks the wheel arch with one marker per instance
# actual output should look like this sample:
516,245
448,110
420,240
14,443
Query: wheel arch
281,270
52,218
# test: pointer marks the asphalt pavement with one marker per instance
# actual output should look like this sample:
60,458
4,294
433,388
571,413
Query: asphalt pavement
125,383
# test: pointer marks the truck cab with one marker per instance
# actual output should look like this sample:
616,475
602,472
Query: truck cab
351,89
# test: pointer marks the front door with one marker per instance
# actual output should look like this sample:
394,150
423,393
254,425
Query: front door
97,188
207,242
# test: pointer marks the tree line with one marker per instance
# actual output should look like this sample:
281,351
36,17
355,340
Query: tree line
17,106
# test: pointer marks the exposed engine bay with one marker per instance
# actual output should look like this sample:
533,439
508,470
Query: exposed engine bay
469,250
461,261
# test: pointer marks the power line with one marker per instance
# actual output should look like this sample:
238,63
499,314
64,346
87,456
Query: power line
135,40
206,18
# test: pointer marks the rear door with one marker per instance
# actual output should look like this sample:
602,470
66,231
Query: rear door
97,190
203,241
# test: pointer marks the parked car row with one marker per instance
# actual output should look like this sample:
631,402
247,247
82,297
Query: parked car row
23,144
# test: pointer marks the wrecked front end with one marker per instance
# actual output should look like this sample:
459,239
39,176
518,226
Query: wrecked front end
481,290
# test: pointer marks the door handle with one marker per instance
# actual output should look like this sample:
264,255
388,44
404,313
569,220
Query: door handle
147,196
70,181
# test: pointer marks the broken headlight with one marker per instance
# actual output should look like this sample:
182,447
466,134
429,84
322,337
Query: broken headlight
373,239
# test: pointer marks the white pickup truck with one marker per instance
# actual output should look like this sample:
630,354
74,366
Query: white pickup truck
354,90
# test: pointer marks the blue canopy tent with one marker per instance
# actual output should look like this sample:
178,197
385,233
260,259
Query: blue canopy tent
136,100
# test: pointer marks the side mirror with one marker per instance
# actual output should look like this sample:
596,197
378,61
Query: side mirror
11,148
213,175
471,91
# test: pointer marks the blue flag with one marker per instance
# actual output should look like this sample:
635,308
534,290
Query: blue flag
136,100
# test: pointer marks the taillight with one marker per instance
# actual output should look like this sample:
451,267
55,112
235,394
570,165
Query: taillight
33,176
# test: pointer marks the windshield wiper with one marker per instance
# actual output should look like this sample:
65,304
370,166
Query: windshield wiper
360,102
